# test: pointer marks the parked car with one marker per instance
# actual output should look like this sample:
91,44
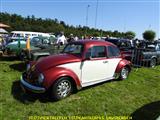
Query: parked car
149,55
19,46
124,45
16,47
81,64
43,47
1,46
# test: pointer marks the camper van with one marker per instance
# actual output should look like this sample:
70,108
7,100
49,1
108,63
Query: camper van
24,34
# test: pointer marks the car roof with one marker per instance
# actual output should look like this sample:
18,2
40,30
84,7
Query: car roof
94,42
120,40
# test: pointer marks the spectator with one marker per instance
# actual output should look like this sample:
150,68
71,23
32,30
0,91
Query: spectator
82,37
71,38
107,37
76,38
132,43
61,39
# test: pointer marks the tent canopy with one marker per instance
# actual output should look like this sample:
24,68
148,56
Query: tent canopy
3,25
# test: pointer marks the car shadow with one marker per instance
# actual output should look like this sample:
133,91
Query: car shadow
8,58
27,98
18,66
149,111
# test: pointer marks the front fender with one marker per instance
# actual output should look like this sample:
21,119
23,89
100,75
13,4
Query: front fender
122,64
53,74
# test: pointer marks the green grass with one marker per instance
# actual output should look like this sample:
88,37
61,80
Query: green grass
138,96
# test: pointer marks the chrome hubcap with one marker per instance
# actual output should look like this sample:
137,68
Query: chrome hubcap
124,73
63,88
153,63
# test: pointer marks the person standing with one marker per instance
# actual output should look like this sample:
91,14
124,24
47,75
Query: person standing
61,39
71,38
76,38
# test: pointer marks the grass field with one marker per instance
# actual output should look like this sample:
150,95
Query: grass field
138,96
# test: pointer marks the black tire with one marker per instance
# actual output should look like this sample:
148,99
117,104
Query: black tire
1,53
153,62
124,73
61,88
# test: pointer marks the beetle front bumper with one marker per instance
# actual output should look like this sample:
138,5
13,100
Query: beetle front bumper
27,86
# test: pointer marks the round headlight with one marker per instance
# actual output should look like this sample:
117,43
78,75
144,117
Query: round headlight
40,78
28,66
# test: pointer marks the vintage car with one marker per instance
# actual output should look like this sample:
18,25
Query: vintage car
82,63
124,45
148,55
19,45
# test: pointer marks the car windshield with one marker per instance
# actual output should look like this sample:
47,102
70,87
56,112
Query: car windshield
75,49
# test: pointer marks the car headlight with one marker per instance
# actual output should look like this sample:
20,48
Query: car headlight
28,67
40,78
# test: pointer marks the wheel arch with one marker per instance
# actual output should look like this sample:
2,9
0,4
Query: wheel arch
123,63
60,72
154,57
71,79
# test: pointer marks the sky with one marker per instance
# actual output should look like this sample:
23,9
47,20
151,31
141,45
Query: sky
121,15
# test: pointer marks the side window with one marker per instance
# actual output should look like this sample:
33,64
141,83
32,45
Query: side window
113,51
96,52
158,47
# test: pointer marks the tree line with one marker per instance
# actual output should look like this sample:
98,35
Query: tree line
31,23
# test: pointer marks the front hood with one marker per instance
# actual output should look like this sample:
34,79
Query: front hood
54,60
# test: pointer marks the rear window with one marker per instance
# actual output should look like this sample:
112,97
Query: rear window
96,52
112,52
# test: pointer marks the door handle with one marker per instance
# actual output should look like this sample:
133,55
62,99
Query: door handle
105,61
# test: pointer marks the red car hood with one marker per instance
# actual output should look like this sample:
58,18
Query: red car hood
54,60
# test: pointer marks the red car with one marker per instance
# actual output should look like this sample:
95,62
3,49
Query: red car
82,63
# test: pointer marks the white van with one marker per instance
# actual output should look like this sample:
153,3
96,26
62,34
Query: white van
25,34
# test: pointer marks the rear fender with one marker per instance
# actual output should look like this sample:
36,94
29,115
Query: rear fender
122,64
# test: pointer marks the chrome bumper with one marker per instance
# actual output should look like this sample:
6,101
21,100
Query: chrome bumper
31,87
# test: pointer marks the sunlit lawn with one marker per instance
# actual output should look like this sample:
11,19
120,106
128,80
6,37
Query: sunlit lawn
138,96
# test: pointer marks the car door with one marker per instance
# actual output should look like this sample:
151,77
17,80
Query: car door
95,69
113,58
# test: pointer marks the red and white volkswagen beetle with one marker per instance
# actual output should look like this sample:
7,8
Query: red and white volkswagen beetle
82,63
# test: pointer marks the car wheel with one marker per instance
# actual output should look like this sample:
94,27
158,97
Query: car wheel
124,73
153,62
61,88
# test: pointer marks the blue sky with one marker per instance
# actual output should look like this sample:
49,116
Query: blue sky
121,15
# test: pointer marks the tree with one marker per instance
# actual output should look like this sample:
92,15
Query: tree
31,23
149,35
130,35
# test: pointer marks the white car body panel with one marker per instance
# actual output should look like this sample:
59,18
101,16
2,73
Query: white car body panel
75,67
93,71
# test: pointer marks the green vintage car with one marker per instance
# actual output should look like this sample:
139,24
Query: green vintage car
17,46
40,47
